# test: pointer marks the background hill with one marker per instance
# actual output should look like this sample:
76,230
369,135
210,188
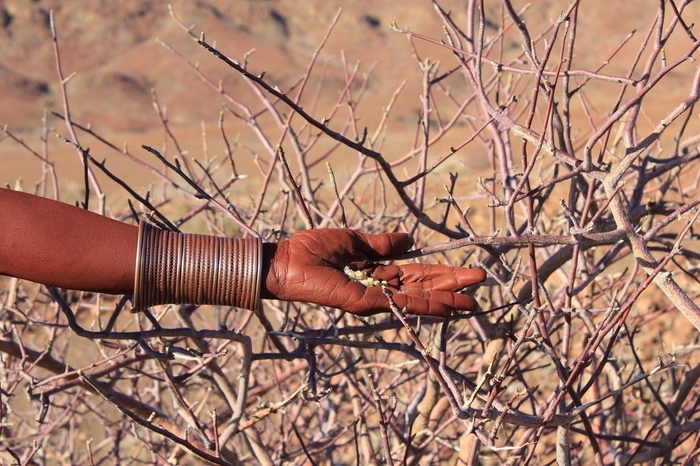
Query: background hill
113,52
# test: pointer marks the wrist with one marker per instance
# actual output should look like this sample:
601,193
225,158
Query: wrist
270,285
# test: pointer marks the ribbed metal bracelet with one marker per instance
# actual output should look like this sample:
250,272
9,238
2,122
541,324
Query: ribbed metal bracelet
176,268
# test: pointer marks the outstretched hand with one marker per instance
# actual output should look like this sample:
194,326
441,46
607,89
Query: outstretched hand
310,267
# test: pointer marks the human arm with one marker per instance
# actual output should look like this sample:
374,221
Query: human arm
61,245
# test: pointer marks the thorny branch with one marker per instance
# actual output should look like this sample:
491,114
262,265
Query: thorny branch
591,211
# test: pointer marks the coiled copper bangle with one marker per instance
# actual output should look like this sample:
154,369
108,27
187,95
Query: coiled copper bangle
177,268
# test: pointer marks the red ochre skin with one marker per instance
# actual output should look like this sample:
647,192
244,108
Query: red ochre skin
61,245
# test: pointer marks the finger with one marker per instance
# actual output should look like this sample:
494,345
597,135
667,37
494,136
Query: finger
429,277
436,300
385,244
436,304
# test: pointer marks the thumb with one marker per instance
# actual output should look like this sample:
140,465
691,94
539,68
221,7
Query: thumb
386,244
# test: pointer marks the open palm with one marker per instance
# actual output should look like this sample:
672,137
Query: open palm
310,267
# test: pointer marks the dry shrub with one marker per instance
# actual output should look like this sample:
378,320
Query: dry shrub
590,181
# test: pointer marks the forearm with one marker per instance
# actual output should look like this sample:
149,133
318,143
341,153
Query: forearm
57,244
